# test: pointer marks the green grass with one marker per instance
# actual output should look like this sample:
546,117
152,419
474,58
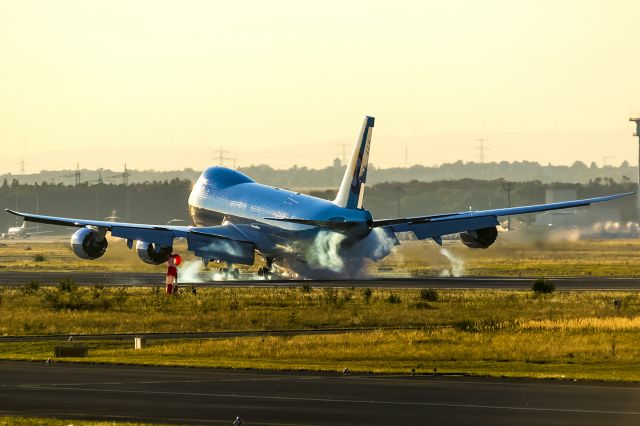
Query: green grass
86,310
602,354
486,332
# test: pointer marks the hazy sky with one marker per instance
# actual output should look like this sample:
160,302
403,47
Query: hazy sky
164,84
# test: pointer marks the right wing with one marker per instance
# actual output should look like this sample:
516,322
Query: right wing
228,243
435,226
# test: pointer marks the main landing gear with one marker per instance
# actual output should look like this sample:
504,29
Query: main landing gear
228,272
266,271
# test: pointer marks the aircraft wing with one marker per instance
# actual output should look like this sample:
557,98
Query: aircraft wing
435,226
225,242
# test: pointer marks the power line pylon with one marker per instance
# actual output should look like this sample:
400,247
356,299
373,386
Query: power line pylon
482,148
222,157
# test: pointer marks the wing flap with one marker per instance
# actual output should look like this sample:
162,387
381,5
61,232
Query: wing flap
163,237
454,226
209,246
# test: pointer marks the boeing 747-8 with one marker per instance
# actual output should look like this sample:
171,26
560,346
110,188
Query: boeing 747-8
236,218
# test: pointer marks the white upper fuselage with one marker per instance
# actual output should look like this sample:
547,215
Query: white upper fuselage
222,193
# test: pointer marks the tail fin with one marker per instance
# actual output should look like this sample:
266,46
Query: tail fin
352,187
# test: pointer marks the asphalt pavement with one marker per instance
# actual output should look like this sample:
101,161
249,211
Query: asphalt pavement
217,396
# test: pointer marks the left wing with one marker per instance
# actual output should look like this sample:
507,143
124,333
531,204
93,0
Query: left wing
225,242
435,226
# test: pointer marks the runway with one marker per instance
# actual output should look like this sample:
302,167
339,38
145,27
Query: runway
217,396
474,282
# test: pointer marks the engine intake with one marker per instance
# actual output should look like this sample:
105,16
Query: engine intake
480,238
153,254
87,243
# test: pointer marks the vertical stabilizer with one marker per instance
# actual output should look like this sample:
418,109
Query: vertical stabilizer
352,187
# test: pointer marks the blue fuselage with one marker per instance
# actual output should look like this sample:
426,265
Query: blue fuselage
222,194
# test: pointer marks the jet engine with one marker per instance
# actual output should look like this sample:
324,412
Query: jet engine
153,254
87,243
480,238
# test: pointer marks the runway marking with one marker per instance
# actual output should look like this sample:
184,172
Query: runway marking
345,401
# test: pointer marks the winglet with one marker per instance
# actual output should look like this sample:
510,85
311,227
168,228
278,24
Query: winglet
352,187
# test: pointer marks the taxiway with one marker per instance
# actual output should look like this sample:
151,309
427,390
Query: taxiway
217,396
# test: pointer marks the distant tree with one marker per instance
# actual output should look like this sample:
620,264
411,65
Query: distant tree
579,165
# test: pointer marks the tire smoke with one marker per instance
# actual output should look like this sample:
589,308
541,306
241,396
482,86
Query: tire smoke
456,264
324,251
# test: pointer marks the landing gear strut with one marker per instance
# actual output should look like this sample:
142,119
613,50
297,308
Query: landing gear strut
266,271
230,271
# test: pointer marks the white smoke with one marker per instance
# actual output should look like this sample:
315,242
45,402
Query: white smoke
565,235
190,272
330,255
456,264
324,251
605,229
376,246
193,271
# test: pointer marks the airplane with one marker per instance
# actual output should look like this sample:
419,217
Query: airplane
114,217
21,232
235,218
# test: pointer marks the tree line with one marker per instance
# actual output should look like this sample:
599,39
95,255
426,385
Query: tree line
330,176
159,202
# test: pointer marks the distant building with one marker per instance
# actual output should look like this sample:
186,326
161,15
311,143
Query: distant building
558,218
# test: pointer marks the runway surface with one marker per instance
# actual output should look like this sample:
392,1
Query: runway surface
212,396
157,279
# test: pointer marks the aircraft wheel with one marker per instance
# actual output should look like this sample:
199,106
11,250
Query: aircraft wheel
236,273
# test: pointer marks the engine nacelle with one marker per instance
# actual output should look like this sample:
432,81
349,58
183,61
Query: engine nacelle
480,238
153,254
87,243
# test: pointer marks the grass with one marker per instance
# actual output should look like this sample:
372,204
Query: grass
508,256
65,309
487,332
565,352
34,421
